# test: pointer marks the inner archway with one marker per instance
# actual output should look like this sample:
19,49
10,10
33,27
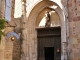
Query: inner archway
49,38
54,18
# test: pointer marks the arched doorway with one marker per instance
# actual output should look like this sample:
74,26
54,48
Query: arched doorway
35,17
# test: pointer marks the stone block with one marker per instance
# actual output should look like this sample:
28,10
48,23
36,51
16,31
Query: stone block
78,58
78,8
75,58
70,4
79,41
75,50
75,18
74,45
74,41
77,54
78,18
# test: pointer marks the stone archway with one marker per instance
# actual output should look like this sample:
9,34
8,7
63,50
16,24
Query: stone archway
32,23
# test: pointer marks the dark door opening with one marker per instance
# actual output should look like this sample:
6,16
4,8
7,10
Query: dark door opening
49,53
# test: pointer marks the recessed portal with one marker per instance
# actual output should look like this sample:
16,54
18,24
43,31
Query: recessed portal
49,53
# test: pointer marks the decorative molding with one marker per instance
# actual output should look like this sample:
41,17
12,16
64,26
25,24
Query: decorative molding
12,36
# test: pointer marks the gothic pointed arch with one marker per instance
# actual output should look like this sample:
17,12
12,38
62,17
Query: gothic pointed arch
35,18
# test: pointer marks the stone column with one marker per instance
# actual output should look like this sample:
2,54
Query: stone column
66,43
23,46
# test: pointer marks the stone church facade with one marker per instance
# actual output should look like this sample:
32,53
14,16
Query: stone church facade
24,29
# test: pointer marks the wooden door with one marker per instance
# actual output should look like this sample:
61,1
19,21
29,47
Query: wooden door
49,43
57,50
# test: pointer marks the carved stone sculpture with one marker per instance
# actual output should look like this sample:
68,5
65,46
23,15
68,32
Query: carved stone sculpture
48,22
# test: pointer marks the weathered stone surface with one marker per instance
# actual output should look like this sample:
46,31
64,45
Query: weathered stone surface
26,49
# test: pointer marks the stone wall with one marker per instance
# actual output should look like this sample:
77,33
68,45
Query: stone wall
27,49
74,29
10,50
2,43
16,54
